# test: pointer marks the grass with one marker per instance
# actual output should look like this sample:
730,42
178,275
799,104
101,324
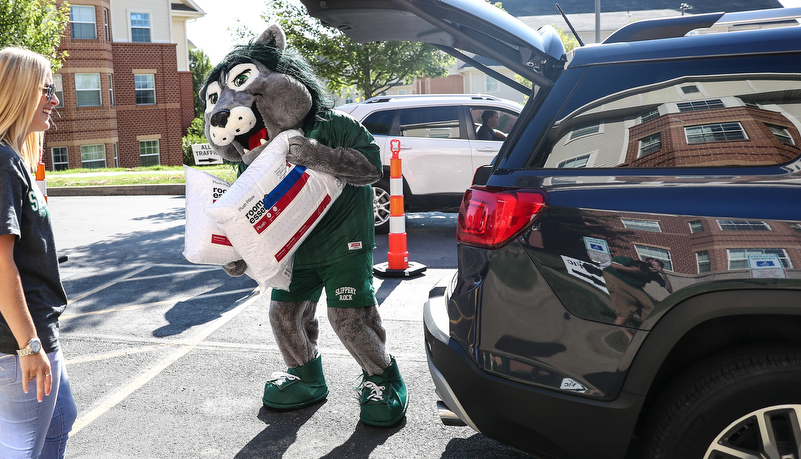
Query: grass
154,175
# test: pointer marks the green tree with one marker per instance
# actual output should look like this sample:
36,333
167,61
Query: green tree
200,65
37,25
194,135
370,68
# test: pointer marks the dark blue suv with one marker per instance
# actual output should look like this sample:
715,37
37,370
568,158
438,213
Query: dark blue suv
628,281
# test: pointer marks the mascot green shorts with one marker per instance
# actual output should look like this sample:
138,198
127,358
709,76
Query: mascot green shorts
348,283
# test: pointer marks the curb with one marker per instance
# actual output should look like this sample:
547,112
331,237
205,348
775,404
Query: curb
118,190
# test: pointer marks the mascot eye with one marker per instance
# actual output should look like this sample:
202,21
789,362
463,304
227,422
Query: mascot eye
242,75
240,79
212,95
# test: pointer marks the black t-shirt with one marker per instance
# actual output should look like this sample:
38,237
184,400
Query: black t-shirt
24,213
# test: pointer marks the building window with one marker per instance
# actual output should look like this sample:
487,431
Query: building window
58,80
60,158
140,27
700,105
650,115
87,89
650,144
145,89
116,159
743,225
644,251
696,226
93,156
782,134
738,258
105,24
111,90
692,89
149,153
702,260
585,130
719,132
82,19
642,225
491,84
575,163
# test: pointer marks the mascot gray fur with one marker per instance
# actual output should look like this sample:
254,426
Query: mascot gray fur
257,91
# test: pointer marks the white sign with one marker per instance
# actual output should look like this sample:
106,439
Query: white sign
766,261
205,155
586,271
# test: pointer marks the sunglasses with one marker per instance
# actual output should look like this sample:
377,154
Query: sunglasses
49,91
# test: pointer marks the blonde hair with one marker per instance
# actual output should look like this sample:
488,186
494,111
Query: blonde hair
22,73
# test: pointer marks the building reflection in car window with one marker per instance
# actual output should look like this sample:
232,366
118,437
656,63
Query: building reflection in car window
740,120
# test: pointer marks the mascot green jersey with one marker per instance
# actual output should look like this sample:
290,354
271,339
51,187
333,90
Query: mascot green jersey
256,92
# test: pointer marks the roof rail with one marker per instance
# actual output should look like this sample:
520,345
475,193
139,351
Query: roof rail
380,99
654,29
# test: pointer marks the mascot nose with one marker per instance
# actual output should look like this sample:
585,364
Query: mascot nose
220,119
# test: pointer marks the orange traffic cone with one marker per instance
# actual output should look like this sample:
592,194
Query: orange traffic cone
40,176
398,264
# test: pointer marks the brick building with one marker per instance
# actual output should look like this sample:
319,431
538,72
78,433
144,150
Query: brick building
125,90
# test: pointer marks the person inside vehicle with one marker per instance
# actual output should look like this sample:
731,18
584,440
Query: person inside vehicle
489,129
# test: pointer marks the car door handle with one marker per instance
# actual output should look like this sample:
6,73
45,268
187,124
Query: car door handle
487,149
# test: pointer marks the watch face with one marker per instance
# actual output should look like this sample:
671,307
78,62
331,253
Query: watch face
36,346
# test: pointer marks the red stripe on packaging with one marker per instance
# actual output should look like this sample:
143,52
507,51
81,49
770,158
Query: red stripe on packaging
280,206
302,230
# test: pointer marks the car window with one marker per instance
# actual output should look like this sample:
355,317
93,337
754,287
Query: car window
379,123
506,118
689,121
431,123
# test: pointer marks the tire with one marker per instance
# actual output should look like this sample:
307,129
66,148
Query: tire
746,401
381,207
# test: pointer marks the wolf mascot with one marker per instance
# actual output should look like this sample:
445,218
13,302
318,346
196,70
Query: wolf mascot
257,91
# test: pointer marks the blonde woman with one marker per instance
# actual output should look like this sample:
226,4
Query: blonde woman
36,405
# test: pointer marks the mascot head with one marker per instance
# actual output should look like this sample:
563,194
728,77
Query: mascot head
257,91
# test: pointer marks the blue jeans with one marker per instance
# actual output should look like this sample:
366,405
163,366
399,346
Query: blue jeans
29,428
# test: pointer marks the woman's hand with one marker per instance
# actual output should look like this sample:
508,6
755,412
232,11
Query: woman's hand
36,367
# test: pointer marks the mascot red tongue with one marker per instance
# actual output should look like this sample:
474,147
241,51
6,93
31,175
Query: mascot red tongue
337,255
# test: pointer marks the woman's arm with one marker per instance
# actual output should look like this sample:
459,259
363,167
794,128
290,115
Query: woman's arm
15,311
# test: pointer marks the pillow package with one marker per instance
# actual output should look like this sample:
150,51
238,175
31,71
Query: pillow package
271,208
204,241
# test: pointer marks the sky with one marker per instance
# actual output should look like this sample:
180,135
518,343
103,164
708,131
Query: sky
210,33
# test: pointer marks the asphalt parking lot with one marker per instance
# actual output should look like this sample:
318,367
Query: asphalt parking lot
168,359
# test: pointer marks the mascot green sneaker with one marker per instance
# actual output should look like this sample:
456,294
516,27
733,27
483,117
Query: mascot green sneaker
297,388
383,397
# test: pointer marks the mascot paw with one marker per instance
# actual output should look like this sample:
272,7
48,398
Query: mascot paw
235,268
302,151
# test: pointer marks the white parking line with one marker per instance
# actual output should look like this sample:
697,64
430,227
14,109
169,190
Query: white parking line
115,398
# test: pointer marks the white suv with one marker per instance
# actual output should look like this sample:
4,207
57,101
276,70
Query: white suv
440,148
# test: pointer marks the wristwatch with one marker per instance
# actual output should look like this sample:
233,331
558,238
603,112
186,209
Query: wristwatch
33,347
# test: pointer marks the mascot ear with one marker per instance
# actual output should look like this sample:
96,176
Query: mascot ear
273,37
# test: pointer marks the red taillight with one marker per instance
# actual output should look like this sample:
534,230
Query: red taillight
491,218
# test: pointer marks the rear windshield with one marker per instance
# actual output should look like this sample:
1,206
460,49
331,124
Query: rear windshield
708,120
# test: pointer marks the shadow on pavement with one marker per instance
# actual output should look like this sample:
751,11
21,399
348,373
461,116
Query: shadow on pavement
279,434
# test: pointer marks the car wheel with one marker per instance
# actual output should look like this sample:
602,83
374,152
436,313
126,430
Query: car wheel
381,207
744,405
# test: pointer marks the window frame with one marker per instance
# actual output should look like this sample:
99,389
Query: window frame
651,150
65,154
639,225
783,256
97,90
138,90
668,261
699,262
742,225
144,144
132,27
703,135
96,160
76,8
